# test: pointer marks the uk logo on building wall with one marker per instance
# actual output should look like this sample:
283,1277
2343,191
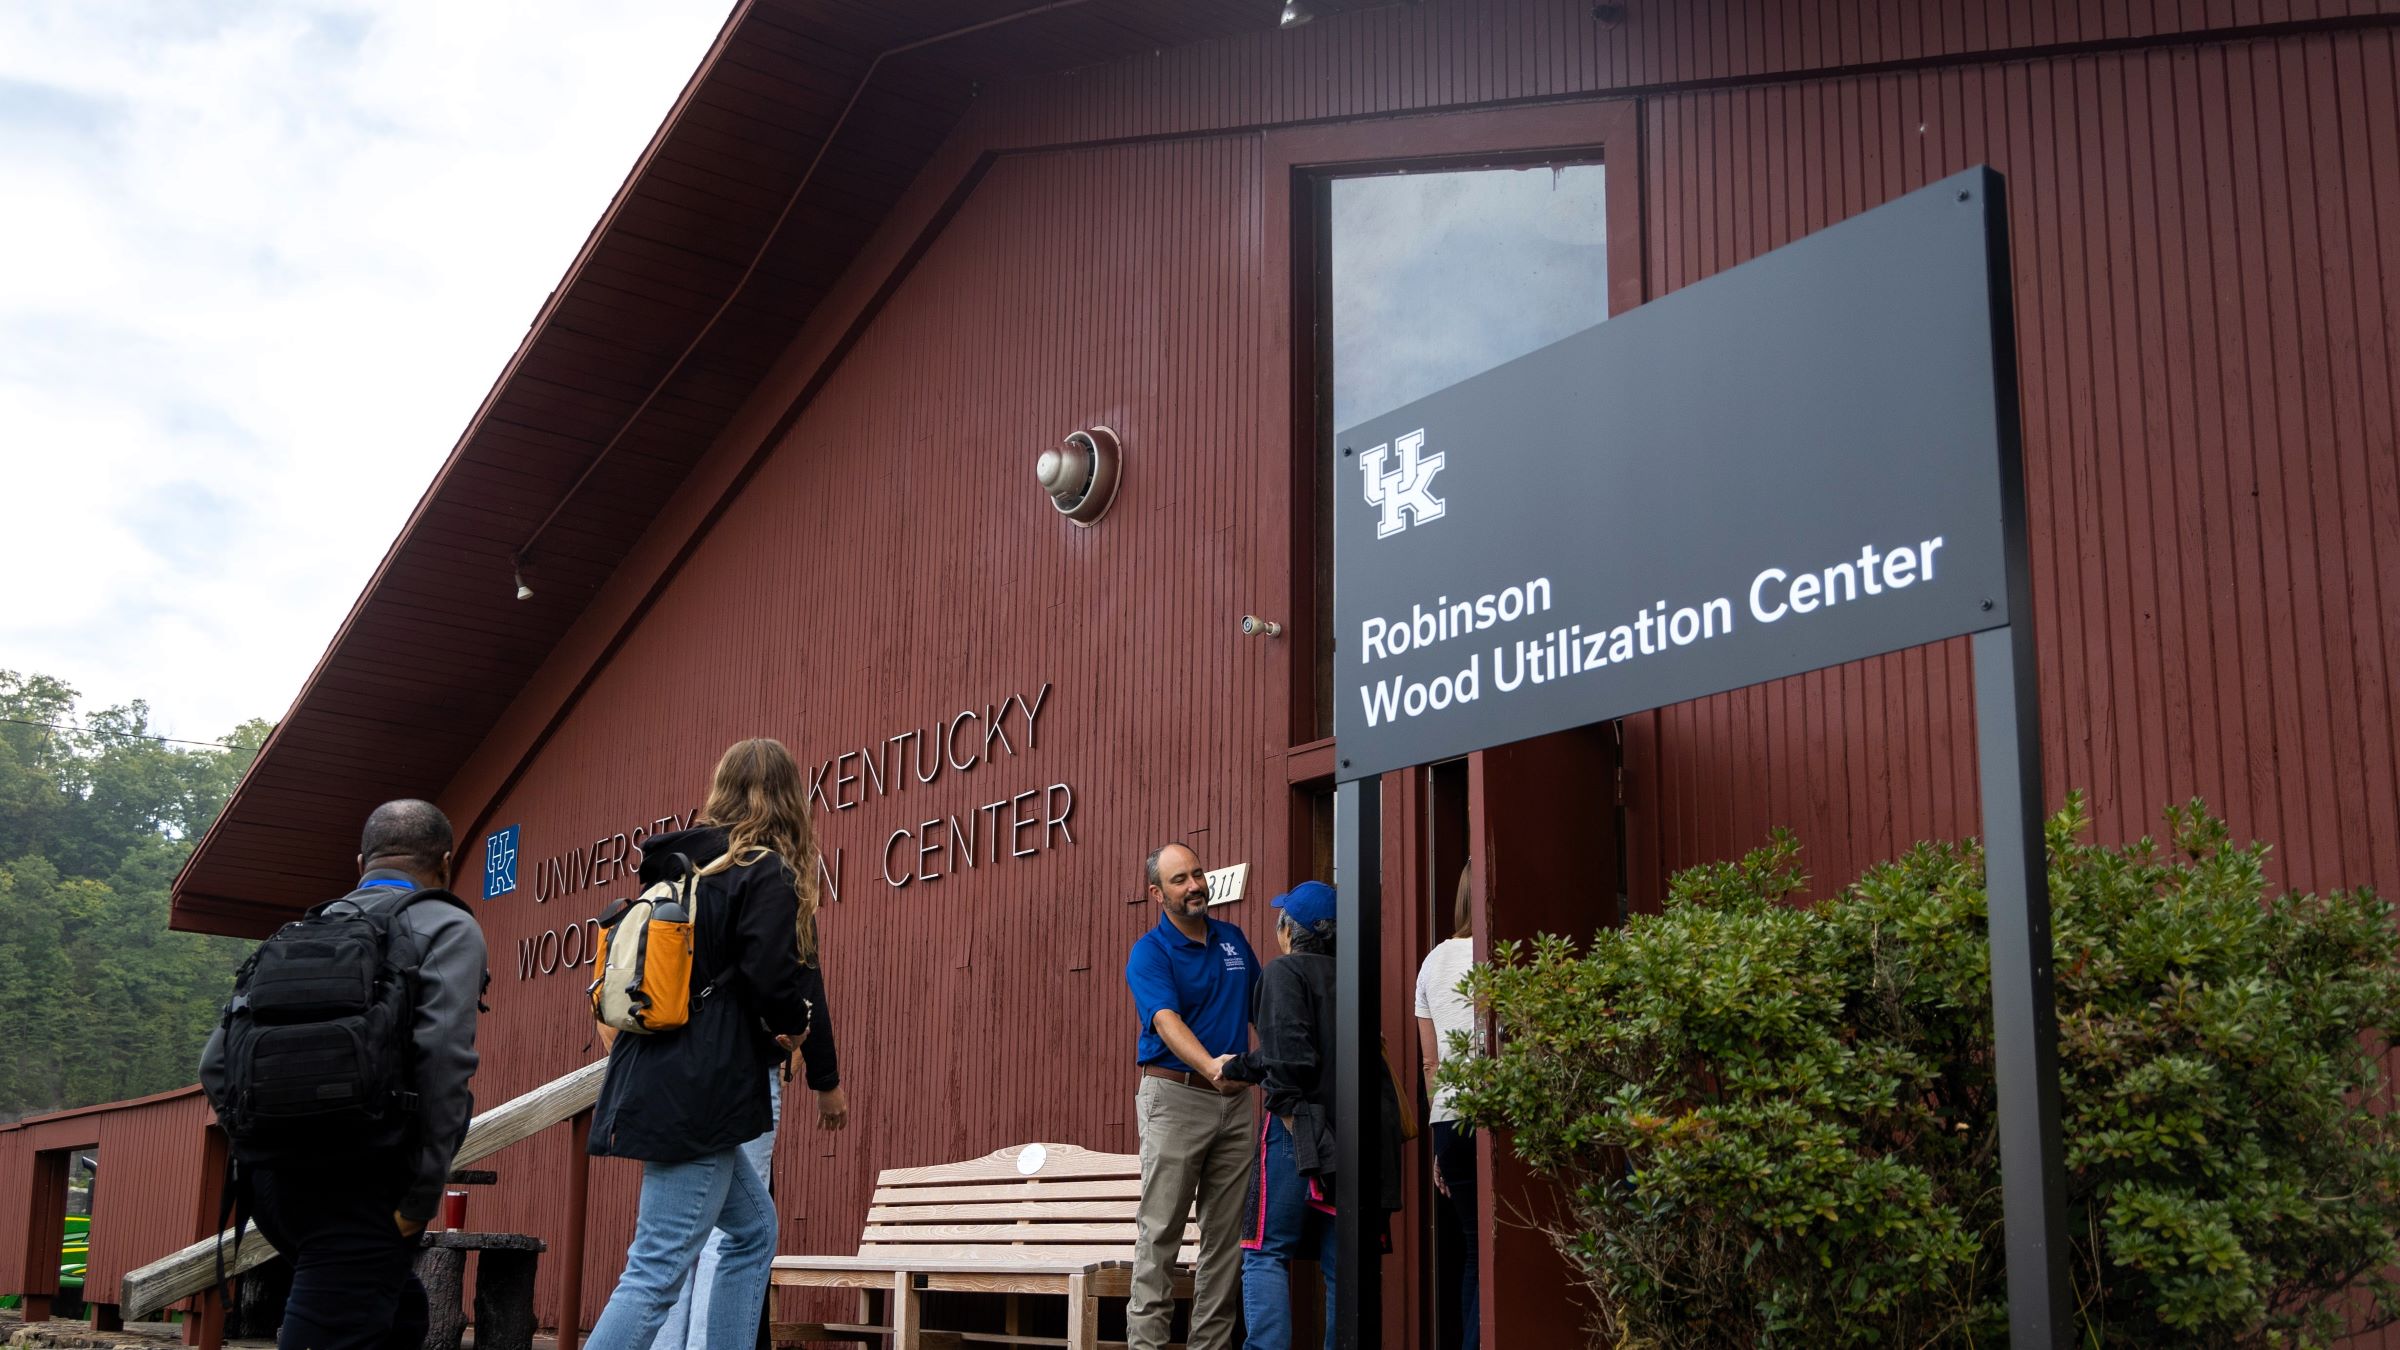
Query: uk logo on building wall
1406,488
499,862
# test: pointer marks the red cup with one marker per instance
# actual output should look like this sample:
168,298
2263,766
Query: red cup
454,1210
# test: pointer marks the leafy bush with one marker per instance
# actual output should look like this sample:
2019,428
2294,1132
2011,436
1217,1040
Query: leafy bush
1774,1125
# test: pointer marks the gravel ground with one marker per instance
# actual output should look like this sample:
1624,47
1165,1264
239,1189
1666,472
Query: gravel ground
78,1335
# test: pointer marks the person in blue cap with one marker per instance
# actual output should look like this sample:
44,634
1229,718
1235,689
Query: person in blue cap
1291,1191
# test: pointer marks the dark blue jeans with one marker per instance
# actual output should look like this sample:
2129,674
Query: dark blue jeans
1292,1229
1454,1150
354,1277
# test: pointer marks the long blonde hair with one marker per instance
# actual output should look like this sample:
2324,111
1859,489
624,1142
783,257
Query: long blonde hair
756,797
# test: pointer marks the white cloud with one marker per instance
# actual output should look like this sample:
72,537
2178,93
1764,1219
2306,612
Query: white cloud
258,265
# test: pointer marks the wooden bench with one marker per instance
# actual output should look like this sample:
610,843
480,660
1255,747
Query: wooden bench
1036,1219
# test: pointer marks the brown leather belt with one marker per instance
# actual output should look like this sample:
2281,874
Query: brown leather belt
1183,1076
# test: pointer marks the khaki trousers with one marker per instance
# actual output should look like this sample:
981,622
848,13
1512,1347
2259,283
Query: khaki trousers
1194,1141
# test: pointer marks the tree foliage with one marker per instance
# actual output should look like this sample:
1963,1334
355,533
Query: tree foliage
101,1001
1775,1125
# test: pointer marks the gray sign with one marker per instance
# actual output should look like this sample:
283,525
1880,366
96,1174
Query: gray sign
1795,463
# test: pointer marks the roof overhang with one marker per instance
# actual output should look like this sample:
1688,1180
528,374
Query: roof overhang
797,135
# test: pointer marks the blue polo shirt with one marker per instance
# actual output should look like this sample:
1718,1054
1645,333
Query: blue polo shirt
1206,983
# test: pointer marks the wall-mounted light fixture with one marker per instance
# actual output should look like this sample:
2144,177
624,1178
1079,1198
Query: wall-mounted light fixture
524,592
1295,13
1081,475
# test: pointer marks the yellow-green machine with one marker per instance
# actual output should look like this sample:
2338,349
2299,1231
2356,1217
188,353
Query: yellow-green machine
74,1245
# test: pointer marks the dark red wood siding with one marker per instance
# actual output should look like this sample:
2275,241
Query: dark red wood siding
2205,301
2203,200
142,1204
152,1155
16,1182
890,568
2204,246
1400,58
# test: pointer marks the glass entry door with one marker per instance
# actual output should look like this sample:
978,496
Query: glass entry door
1436,276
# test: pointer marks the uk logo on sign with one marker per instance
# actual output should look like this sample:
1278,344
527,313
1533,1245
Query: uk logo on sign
1406,488
500,862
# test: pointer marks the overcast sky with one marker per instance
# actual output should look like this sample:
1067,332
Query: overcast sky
259,261
1438,276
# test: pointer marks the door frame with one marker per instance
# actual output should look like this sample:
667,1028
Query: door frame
1295,164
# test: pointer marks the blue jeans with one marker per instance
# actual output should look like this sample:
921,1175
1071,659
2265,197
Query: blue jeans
680,1202
687,1322
1291,1229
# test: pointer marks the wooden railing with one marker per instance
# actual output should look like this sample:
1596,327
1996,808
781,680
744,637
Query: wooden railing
567,1098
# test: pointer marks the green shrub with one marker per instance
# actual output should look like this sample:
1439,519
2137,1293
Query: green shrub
1773,1125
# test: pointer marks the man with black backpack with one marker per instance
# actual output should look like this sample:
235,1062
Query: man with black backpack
340,1075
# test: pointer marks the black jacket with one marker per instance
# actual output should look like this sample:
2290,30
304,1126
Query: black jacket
701,1089
1293,1009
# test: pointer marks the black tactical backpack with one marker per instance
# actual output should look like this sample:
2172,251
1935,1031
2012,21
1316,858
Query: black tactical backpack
318,1045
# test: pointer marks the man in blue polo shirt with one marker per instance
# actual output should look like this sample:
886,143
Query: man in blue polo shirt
1191,978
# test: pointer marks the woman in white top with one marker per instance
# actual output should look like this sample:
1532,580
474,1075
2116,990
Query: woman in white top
1441,1010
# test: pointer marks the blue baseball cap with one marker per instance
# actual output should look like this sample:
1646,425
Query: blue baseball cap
1307,903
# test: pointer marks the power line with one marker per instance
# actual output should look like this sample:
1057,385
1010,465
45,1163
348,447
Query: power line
127,735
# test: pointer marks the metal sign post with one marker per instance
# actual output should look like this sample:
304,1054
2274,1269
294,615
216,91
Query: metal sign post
2016,897
1357,1079
1805,460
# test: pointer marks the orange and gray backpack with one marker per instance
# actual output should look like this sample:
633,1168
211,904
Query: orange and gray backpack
645,980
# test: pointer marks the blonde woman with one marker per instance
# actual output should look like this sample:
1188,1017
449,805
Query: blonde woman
684,1102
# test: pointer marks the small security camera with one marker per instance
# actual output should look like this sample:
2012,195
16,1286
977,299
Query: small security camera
1254,626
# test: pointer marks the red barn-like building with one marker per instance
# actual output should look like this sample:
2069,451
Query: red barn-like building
767,454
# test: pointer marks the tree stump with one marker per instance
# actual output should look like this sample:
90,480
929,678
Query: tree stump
504,1274
504,1298
443,1272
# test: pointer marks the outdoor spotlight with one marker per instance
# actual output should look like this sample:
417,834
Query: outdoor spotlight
1254,626
1081,475
524,592
1295,13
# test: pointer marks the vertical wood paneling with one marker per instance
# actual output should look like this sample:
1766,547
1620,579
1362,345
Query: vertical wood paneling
150,1150
2200,362
1462,52
143,1203
16,1185
2204,313
896,562
2207,278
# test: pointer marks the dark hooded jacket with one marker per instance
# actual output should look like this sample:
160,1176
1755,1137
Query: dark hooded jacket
701,1089
1293,1009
